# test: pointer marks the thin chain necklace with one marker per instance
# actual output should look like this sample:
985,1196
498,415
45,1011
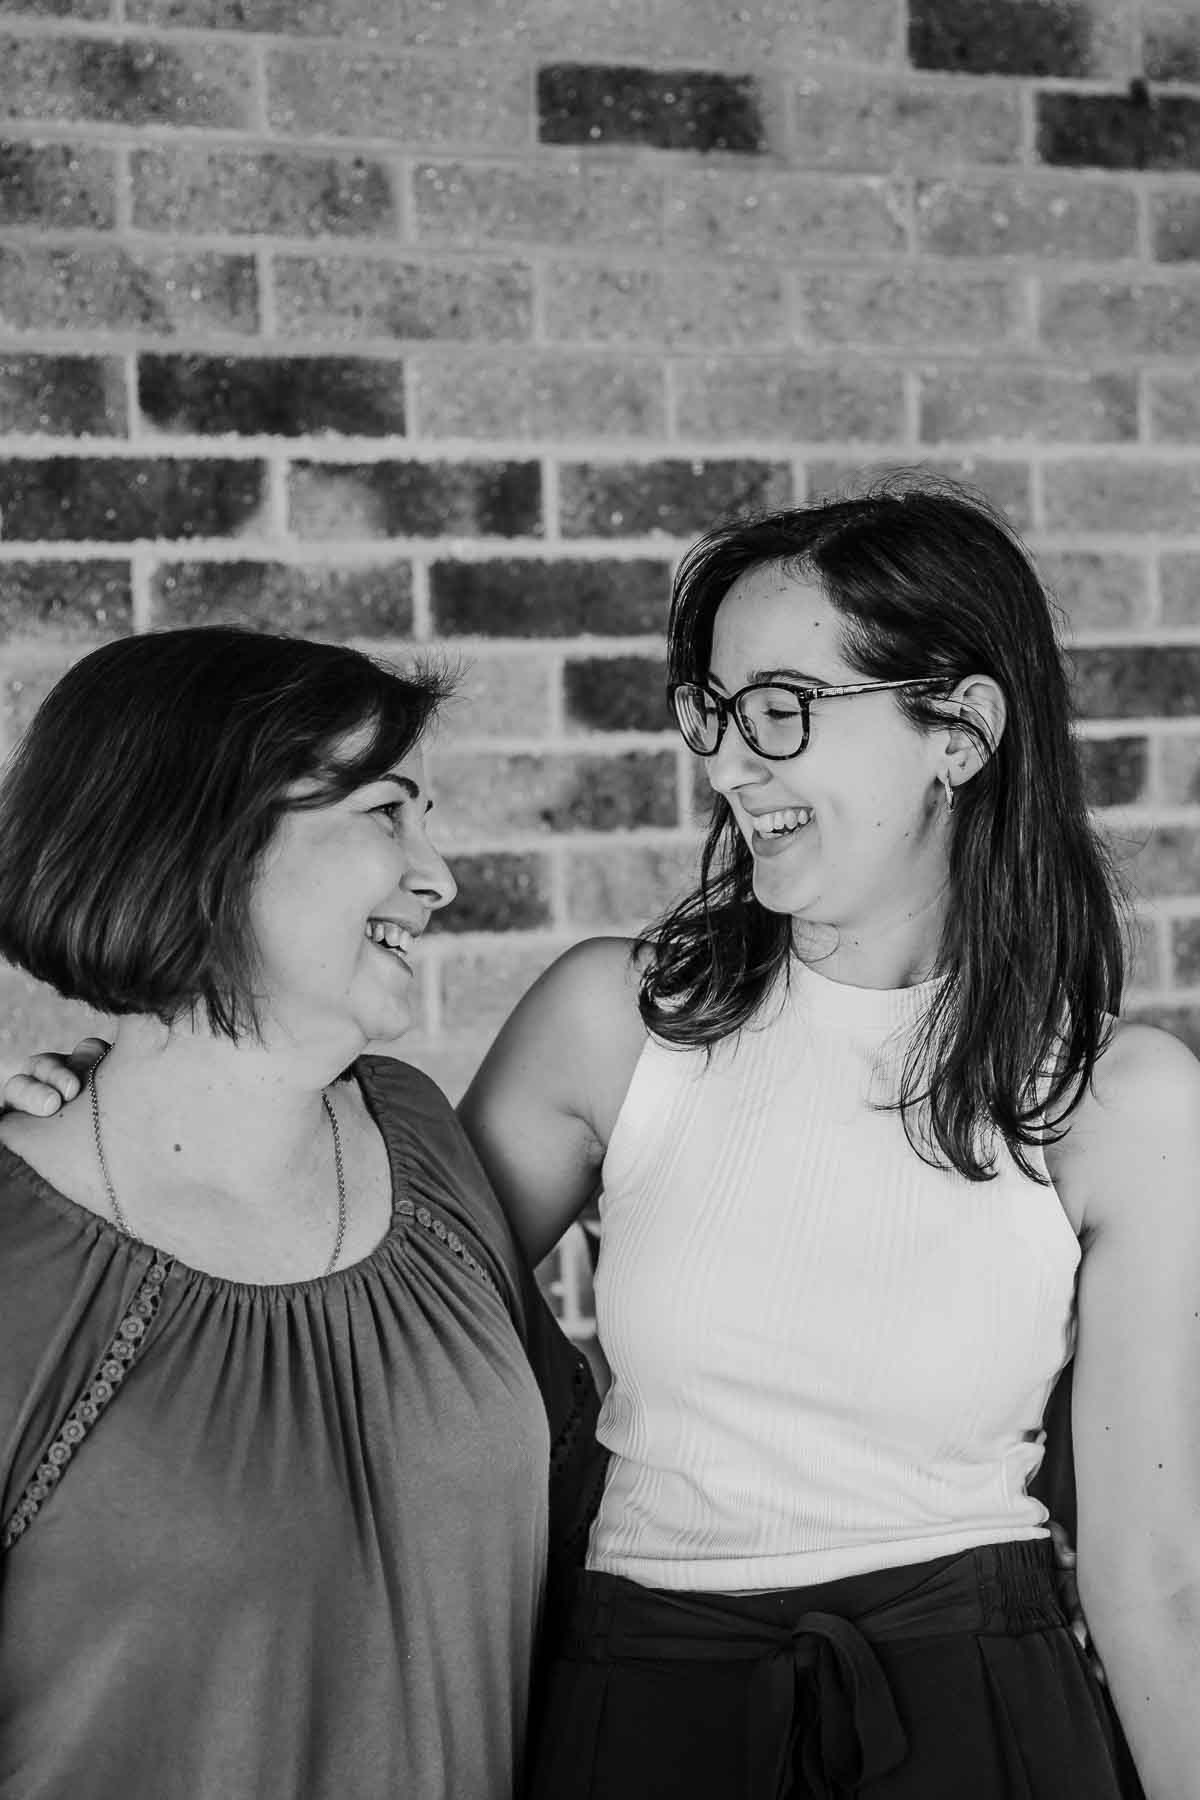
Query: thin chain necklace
122,1223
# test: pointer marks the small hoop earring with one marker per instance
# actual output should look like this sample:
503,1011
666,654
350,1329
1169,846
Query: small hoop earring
949,791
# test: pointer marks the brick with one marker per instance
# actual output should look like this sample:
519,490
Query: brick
776,400
768,29
1182,1022
65,396
887,126
549,395
479,988
501,697
616,693
355,297
674,497
1120,496
1027,216
504,891
23,689
86,289
1185,952
1005,484
783,217
490,796
940,308
1145,967
702,306
1160,862
120,499
125,83
286,396
1030,404
1137,318
629,884
301,16
415,499
1170,41
674,109
417,100
65,602
372,600
57,9
57,186
1174,407
1018,37
1179,770
1175,227
1137,681
1119,131
1179,577
283,192
34,1017
1114,770
570,597
601,206
1096,589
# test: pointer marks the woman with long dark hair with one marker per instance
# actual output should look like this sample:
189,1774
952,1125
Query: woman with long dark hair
876,1157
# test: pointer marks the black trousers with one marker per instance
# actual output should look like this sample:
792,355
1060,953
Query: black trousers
948,1680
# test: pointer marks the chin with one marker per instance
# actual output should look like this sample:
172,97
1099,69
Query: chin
784,897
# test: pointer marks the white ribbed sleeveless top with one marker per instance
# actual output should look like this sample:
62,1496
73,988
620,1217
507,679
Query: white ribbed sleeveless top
828,1357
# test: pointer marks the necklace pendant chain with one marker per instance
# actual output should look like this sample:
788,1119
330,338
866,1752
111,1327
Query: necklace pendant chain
122,1223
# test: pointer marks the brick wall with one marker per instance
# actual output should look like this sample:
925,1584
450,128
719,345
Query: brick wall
455,320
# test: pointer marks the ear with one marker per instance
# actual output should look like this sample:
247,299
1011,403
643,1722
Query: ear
980,700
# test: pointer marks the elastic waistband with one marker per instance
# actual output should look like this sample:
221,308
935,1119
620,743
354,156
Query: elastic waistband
1006,1588
820,1636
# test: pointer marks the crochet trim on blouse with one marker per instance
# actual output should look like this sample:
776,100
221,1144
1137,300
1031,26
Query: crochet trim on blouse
114,1365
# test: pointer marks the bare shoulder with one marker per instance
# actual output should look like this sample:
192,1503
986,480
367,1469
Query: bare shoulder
544,1100
577,1031
1149,1074
1136,1133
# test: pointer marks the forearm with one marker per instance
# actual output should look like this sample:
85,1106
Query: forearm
1150,1648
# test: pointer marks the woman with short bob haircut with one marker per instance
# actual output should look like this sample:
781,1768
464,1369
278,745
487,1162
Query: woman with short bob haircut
273,1461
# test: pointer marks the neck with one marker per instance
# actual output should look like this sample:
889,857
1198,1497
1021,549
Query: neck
227,1113
896,952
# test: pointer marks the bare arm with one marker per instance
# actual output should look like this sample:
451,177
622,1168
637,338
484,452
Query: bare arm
541,1108
1135,1162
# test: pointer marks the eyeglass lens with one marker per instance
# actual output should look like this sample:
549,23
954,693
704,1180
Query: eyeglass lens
773,719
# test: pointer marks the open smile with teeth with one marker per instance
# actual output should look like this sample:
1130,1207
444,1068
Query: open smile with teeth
779,824
390,936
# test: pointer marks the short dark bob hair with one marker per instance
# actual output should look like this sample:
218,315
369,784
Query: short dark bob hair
136,810
928,580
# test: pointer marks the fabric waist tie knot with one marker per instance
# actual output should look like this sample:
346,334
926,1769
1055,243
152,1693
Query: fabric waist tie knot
820,1705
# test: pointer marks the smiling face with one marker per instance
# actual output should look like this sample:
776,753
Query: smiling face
344,892
852,833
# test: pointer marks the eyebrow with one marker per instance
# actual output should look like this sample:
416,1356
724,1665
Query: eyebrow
757,677
408,788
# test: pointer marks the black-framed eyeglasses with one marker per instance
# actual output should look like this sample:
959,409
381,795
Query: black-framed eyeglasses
773,716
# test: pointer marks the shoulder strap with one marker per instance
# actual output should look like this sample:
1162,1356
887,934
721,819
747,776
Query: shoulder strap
122,1352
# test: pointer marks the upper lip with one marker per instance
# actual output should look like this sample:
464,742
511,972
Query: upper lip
761,812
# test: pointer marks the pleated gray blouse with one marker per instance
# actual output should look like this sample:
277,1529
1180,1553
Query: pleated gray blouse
299,1554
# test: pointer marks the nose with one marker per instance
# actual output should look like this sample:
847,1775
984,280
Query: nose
733,764
428,876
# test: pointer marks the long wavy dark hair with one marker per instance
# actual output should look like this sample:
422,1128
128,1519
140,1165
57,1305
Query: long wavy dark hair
928,580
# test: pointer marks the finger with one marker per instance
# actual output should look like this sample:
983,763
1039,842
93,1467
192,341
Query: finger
22,1093
1064,1549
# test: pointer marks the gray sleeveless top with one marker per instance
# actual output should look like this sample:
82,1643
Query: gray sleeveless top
300,1555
